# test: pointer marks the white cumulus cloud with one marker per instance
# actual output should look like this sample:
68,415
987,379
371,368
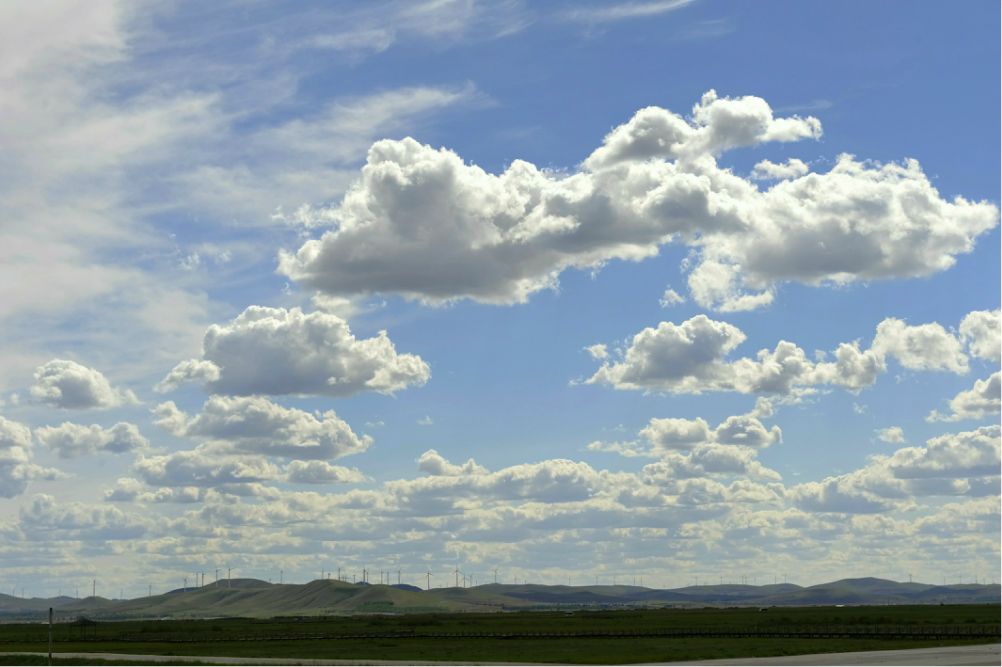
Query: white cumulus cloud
671,298
422,223
980,401
965,463
66,384
892,434
255,425
435,464
692,358
321,472
920,347
769,170
72,440
203,467
279,351
16,468
982,330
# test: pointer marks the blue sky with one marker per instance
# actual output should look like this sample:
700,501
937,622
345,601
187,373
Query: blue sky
273,273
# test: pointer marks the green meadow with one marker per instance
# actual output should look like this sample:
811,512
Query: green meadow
583,637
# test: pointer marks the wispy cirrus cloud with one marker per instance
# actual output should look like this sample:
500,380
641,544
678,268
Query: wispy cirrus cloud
623,11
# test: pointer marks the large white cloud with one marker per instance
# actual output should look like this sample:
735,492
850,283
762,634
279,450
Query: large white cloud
255,425
71,440
321,472
690,449
952,464
16,468
920,347
708,460
204,467
691,358
717,125
279,351
966,454
48,518
66,384
982,330
554,480
672,434
422,223
982,400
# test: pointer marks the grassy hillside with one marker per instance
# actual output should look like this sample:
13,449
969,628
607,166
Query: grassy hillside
252,598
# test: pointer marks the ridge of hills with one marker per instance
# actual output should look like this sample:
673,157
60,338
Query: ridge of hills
259,599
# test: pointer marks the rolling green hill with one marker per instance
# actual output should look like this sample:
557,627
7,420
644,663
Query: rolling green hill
253,598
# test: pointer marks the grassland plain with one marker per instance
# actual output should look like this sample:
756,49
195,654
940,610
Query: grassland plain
597,637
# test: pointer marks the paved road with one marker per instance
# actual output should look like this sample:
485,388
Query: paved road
982,654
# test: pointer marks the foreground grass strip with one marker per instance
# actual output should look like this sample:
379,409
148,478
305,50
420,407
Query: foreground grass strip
596,637
34,659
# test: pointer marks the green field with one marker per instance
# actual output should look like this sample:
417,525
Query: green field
603,637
